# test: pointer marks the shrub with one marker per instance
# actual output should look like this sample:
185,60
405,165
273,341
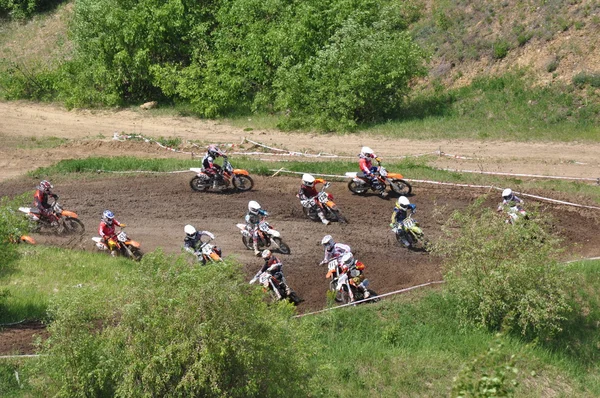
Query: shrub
505,276
179,331
500,49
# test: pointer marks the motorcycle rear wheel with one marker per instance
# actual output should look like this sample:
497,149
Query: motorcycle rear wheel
401,187
283,247
243,183
73,226
199,184
359,189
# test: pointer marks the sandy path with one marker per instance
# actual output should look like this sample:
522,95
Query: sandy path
25,119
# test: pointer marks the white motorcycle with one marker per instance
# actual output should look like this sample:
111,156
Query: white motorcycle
349,293
126,247
266,236
513,213
278,289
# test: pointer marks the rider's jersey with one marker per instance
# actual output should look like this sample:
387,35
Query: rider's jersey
40,199
306,192
108,231
192,242
365,164
399,215
339,249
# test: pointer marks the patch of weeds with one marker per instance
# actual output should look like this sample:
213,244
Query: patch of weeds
583,78
500,49
552,65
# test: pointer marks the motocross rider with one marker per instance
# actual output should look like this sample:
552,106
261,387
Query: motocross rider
308,191
332,249
400,212
193,241
511,200
366,166
254,216
210,167
273,266
40,200
106,229
355,270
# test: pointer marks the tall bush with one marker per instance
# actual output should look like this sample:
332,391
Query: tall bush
176,331
505,276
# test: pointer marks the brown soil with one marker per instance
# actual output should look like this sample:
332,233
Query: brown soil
156,207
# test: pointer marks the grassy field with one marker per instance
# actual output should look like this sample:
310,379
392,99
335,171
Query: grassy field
407,345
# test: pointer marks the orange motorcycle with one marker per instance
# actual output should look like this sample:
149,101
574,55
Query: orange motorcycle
359,184
324,201
238,178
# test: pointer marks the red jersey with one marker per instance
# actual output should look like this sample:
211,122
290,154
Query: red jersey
108,231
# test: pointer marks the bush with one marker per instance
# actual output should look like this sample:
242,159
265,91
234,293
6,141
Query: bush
505,276
500,49
176,331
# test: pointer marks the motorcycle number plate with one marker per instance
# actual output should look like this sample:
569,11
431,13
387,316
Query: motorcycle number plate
323,197
409,223
263,226
382,172
122,237
332,265
264,278
207,249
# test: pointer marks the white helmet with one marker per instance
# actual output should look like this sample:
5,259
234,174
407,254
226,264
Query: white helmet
266,254
327,241
507,194
403,202
347,259
189,230
253,207
367,152
308,180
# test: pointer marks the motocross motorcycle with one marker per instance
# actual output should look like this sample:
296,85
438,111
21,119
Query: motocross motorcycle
325,202
208,253
266,236
278,290
125,246
333,273
409,234
68,221
350,293
360,185
238,178
513,213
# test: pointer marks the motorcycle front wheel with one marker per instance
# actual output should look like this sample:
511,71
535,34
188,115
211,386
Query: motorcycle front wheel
136,254
400,187
243,182
338,216
199,184
247,242
357,188
310,213
73,226
283,247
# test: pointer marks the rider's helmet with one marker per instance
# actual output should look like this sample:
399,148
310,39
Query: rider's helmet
367,152
253,207
403,203
347,260
328,242
45,186
214,151
108,217
507,194
266,254
308,180
190,231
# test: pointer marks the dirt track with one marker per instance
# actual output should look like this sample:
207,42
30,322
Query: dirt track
156,207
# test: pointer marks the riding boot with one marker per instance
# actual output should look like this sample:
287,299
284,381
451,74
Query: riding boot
256,251
322,217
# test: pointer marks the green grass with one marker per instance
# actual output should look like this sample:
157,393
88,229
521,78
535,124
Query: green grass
31,142
409,168
42,272
409,345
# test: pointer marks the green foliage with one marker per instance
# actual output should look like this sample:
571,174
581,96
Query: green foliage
505,276
492,374
582,79
176,330
21,9
13,224
500,49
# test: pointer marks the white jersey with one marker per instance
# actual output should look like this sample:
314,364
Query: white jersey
339,249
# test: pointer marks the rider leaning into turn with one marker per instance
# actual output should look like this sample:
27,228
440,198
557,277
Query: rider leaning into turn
106,229
308,191
355,270
332,249
403,206
193,240
273,266
209,166
366,166
254,216
40,200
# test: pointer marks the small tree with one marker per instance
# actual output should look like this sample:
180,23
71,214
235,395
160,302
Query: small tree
505,276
